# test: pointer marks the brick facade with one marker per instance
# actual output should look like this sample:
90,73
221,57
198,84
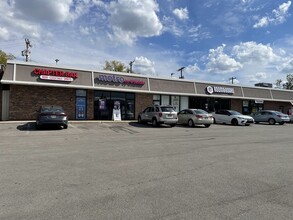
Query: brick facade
277,106
25,100
236,105
142,101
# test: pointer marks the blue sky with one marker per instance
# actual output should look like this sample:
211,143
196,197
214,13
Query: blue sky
251,40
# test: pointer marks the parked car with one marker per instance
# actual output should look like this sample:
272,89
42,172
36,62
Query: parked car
51,115
193,117
158,114
271,117
232,117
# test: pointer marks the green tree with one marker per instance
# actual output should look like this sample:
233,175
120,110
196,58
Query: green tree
4,57
116,66
286,85
279,83
289,83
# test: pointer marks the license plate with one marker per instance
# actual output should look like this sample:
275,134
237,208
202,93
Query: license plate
169,116
53,116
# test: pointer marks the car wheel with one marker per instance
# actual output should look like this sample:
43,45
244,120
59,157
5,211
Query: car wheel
281,123
65,126
256,122
139,120
154,122
272,121
190,123
207,125
234,121
215,121
172,125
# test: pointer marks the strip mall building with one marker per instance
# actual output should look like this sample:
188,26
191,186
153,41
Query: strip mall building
90,94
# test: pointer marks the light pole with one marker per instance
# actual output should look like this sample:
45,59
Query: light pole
172,75
181,76
232,79
57,60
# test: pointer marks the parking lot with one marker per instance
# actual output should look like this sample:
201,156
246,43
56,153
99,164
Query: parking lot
107,170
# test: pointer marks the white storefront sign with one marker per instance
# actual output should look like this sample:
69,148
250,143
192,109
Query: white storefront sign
219,89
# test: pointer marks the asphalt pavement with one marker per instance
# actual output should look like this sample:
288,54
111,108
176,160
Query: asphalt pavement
103,170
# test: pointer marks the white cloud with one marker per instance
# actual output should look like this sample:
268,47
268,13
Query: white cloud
4,34
171,26
257,77
192,68
263,22
52,11
181,13
219,62
281,13
287,67
144,66
131,19
278,16
254,53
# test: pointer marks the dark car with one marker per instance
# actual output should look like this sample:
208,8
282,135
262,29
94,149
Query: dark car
52,115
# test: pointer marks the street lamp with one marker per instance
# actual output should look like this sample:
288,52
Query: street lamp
181,76
57,60
172,75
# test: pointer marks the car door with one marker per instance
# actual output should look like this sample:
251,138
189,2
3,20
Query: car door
226,117
257,116
181,117
144,114
220,116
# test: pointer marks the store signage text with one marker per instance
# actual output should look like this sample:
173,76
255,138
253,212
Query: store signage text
219,89
56,75
119,79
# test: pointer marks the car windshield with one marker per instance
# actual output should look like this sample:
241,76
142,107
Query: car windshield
199,111
234,113
167,109
46,109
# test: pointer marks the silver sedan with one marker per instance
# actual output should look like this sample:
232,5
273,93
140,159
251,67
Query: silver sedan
193,117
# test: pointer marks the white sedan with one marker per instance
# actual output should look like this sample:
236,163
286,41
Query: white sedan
231,117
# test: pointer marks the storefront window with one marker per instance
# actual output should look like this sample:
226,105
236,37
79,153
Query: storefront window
175,102
104,105
165,100
183,102
80,104
156,99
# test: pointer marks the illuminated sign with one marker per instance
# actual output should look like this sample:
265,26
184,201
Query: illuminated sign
55,75
219,89
119,79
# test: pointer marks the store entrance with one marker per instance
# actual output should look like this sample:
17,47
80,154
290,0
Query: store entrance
104,105
209,104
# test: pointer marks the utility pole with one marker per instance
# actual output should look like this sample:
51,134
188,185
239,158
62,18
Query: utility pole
232,79
26,52
181,76
130,66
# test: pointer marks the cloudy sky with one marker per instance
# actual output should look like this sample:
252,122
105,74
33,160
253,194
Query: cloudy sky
251,40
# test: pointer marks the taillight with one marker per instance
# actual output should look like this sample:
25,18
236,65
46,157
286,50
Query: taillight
198,116
160,114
